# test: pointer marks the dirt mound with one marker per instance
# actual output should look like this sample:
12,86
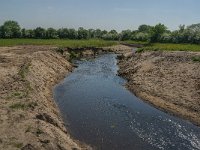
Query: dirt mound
168,80
29,118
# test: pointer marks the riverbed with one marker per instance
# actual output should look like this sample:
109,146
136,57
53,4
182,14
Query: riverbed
101,112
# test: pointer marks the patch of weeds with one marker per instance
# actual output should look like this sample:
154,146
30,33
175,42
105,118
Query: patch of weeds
74,55
60,50
24,70
18,145
140,50
18,106
196,59
19,95
39,131
32,105
22,106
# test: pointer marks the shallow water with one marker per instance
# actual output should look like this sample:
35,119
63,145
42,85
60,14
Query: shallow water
99,111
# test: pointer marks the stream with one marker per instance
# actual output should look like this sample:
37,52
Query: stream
98,110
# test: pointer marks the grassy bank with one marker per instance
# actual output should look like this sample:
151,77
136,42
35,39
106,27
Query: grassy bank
171,47
57,42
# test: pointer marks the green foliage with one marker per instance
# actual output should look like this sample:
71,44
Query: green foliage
125,35
145,28
82,33
146,33
51,33
10,29
157,32
40,33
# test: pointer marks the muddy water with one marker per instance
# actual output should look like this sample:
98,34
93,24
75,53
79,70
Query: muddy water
99,111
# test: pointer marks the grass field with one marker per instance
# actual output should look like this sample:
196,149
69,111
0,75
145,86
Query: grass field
135,42
171,47
57,42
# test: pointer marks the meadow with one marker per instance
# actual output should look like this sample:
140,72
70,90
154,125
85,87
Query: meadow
170,47
58,42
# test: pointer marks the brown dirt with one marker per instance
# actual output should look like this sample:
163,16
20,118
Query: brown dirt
168,80
29,118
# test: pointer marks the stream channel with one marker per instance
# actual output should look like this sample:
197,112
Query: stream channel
98,110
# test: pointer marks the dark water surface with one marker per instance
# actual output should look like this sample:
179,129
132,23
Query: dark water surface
101,112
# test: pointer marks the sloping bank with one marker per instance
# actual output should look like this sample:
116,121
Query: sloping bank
29,118
168,80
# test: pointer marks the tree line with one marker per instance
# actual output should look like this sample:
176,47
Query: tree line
146,33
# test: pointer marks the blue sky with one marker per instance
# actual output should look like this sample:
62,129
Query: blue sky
103,14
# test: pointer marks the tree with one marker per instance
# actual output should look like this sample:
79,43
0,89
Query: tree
72,34
144,28
40,33
140,36
10,29
51,33
98,33
1,31
166,38
30,33
157,32
23,33
82,33
110,36
125,35
181,28
91,33
113,32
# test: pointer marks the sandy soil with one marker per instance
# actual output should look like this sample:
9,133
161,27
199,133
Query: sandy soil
29,118
168,80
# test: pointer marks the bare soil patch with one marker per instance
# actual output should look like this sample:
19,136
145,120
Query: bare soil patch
29,118
168,80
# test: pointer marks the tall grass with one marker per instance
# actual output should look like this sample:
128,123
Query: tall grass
57,42
171,47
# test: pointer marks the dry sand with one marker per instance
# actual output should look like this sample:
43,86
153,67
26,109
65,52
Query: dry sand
29,117
169,81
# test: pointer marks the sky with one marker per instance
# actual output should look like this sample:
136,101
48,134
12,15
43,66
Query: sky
103,14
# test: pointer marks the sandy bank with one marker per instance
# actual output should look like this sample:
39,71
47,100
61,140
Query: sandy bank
168,80
29,118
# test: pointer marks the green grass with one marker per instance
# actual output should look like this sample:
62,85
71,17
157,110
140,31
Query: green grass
57,42
18,106
18,94
23,106
171,47
24,70
196,59
135,42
